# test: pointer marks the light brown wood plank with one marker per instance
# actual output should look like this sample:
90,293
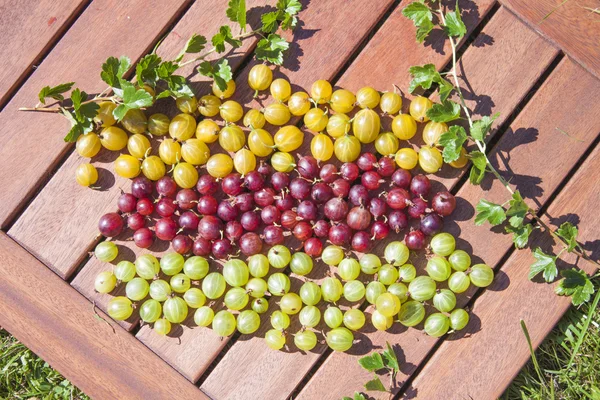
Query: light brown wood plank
526,155
511,298
30,28
316,40
568,24
250,357
58,324
77,57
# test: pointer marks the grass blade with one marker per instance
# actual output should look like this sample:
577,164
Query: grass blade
586,325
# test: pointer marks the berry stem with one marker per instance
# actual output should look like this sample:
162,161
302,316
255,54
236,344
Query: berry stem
58,109
482,148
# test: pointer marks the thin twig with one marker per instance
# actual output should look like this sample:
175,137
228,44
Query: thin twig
97,316
58,109
210,51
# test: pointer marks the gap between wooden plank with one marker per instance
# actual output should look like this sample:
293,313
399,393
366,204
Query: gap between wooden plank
23,176
253,357
510,69
59,325
545,307
18,74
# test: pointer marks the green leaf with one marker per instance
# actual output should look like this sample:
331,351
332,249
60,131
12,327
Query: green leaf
76,128
166,69
454,23
224,36
422,17
54,92
375,384
577,284
179,87
237,12
479,167
517,210
359,396
447,111
490,212
445,89
269,22
453,141
145,70
77,97
132,99
271,49
544,263
372,363
481,127
418,12
568,232
520,234
288,9
423,76
195,44
113,70
221,73
389,358
423,31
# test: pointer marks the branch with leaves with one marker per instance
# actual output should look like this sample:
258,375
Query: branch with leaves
520,216
156,78
386,361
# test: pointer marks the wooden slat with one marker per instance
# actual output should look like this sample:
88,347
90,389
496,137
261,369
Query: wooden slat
106,28
172,44
59,325
326,39
525,151
30,28
250,357
511,298
568,24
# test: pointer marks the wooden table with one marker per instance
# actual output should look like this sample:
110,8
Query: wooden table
539,68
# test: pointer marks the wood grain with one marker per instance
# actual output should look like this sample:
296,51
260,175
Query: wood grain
134,25
59,325
525,151
250,357
511,298
323,30
30,29
169,48
570,24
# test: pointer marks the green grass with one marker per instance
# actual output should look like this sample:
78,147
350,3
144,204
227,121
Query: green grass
565,366
567,363
23,375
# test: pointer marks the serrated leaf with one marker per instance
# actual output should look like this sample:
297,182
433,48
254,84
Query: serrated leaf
132,99
224,36
423,31
479,167
481,127
544,263
418,12
76,129
166,69
113,70
372,363
290,7
359,396
389,358
568,232
77,97
489,212
423,76
54,92
454,24
577,284
195,44
517,210
269,22
271,49
453,141
447,111
221,73
236,12
179,87
520,234
145,70
445,89
375,384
